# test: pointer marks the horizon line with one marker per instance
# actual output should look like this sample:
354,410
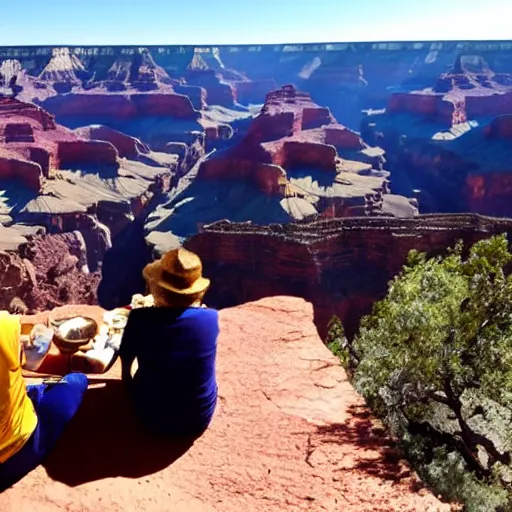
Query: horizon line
224,45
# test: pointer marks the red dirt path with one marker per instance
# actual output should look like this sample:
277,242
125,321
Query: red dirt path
290,433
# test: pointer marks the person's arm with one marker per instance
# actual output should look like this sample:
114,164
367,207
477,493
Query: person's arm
11,350
128,349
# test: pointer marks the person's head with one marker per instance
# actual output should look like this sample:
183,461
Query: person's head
176,279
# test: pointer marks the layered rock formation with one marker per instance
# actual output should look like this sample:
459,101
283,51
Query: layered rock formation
45,271
65,196
450,140
120,106
348,77
469,91
289,433
295,161
341,265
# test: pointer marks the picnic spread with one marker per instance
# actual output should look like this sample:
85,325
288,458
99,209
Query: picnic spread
77,338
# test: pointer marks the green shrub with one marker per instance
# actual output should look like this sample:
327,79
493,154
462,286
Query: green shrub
434,360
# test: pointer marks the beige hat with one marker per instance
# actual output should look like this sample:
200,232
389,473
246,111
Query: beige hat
179,271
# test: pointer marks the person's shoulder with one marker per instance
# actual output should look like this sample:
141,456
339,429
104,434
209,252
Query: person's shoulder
204,311
138,315
203,314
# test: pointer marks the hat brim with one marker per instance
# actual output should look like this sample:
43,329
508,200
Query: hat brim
153,274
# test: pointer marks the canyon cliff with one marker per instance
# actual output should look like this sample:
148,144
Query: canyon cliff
66,196
342,266
120,145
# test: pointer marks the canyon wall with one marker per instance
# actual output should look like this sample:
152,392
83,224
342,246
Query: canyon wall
341,265
127,144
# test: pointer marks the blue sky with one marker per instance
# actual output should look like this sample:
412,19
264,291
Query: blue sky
98,22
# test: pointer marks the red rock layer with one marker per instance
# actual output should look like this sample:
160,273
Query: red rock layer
341,265
29,140
291,131
86,152
121,106
126,146
492,105
489,193
459,96
11,108
29,173
31,144
431,106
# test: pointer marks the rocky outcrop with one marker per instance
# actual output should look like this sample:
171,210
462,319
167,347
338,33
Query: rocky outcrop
341,265
12,109
298,137
126,146
28,173
282,170
287,112
46,271
469,91
120,106
287,419
449,142
86,153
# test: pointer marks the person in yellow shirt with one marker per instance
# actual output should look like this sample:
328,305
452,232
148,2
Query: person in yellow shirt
32,418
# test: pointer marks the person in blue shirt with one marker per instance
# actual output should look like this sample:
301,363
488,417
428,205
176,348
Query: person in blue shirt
174,389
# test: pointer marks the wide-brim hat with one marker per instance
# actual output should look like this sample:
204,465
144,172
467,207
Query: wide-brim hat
178,271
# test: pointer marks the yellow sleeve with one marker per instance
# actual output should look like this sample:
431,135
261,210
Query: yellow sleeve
10,348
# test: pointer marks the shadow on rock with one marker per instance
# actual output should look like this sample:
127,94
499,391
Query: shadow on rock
122,267
105,440
362,431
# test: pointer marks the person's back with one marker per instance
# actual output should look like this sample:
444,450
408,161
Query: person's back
32,417
174,389
17,415
175,343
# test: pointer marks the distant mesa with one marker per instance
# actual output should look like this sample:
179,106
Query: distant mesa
468,91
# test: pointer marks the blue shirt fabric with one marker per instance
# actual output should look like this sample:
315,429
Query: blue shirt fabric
174,389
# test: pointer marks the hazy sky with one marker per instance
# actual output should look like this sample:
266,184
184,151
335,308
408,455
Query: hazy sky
97,22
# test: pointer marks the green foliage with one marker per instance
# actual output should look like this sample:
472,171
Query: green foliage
447,473
444,332
336,341
445,322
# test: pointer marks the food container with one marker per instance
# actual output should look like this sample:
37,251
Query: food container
71,334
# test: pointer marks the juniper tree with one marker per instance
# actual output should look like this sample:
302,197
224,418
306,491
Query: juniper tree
444,329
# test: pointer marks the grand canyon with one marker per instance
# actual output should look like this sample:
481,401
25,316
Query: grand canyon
302,175
307,170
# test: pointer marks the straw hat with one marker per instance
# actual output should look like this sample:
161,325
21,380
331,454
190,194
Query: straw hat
179,271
